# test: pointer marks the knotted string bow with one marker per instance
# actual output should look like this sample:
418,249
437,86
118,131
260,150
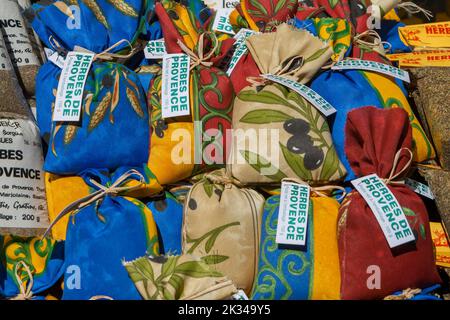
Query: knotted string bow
393,176
113,190
200,58
287,69
25,290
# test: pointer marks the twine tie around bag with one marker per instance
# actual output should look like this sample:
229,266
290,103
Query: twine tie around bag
25,290
101,297
114,189
393,176
200,58
413,8
405,295
319,190
104,55
360,39
223,179
292,65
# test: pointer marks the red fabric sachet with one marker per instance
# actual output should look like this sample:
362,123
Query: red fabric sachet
373,139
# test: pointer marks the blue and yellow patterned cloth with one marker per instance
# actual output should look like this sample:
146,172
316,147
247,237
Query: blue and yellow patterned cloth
102,234
44,259
312,272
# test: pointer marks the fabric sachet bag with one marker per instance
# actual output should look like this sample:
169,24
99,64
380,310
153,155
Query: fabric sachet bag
270,114
300,273
113,105
168,214
183,277
29,266
210,94
105,227
379,141
61,191
257,16
221,226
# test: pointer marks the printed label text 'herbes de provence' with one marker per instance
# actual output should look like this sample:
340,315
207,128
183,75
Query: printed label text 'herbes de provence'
155,49
69,95
293,215
175,85
309,94
22,189
222,21
351,64
386,209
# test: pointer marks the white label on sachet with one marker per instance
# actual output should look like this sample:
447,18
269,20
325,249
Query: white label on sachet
16,35
309,94
155,49
240,48
22,189
222,21
355,64
175,85
69,96
293,214
419,188
387,210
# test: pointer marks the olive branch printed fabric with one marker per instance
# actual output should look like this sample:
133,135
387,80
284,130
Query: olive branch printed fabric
305,146
222,236
183,277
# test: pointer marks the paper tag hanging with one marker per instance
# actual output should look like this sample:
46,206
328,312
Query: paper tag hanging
69,96
222,21
240,295
175,85
22,194
155,49
386,209
240,48
354,64
293,214
54,57
309,94
419,188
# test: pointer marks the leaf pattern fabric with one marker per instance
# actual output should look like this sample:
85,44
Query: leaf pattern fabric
299,274
183,277
411,267
44,257
223,237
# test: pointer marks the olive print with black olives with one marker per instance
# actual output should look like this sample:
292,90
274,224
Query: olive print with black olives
301,143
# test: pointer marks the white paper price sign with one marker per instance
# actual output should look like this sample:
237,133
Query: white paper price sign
387,210
309,94
69,95
175,85
354,64
293,214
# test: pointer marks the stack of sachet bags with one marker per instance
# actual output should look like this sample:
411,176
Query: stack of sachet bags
182,150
